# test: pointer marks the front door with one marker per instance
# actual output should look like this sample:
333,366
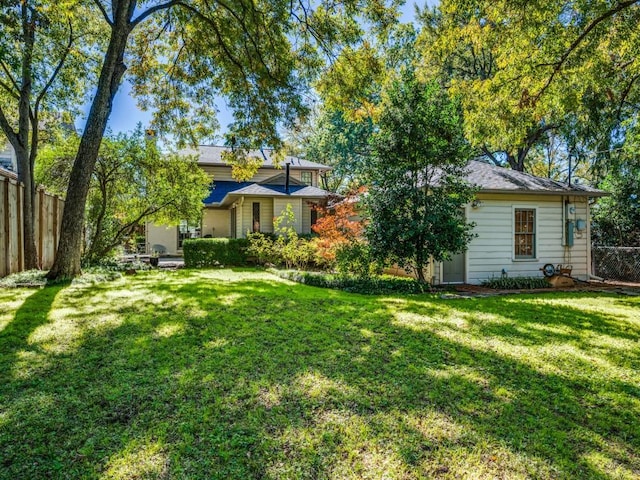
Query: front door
453,270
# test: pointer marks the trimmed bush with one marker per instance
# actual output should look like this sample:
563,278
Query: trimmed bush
214,252
355,259
376,285
516,283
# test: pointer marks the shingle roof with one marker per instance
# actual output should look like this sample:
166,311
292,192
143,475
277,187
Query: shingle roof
490,178
220,190
212,155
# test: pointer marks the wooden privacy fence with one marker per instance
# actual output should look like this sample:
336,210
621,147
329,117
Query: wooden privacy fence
48,212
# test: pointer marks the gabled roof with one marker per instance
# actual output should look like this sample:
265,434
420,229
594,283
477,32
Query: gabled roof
490,178
212,155
223,192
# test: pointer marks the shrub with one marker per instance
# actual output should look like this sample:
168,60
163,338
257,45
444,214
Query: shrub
516,283
376,285
263,248
354,258
213,252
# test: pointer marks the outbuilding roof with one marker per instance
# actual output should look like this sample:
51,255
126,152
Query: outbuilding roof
212,155
490,178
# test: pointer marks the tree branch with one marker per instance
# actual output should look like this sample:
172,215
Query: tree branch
218,35
8,74
557,66
56,71
625,94
103,11
151,10
9,90
10,133
491,155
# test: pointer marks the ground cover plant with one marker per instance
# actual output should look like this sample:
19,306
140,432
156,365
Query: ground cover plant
241,374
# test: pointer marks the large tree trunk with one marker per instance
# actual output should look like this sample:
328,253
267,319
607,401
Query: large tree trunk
21,142
25,175
69,253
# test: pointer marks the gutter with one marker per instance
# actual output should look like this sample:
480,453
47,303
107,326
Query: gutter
575,193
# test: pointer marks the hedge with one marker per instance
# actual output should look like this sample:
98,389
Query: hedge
375,285
214,252
516,283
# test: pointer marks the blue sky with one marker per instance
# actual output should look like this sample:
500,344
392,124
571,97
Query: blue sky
126,115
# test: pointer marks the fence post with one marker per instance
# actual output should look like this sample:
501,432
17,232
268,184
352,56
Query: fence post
40,227
20,224
7,228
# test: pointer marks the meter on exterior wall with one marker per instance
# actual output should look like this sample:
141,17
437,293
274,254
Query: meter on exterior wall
570,229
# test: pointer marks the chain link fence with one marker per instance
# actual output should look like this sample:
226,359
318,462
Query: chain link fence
616,263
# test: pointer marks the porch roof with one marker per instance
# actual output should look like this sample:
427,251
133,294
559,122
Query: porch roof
222,191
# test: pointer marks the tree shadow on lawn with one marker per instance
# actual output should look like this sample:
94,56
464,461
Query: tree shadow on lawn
537,320
14,337
269,379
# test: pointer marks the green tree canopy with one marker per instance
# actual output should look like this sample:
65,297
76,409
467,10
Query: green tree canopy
524,68
416,192
133,183
182,54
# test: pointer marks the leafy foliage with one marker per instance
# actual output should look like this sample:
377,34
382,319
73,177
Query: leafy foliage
617,217
337,226
367,285
356,259
182,55
416,194
516,283
564,66
333,139
133,183
214,252
47,53
285,247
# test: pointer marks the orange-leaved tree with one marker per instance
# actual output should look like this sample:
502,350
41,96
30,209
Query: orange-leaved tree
336,226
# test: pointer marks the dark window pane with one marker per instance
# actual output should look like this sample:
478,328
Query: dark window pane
256,217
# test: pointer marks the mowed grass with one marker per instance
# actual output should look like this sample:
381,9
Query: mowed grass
239,374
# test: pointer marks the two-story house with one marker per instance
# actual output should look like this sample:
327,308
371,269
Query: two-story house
233,209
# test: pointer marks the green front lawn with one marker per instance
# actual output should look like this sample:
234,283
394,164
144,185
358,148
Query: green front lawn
239,374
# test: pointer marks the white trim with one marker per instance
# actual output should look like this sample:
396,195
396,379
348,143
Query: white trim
515,207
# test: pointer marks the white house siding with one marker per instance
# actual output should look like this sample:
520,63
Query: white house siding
266,215
216,222
280,204
162,235
492,250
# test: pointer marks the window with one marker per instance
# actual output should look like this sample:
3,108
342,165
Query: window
306,178
256,217
6,163
187,230
525,233
314,215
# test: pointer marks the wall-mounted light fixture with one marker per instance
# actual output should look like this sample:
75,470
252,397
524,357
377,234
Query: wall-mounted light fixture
476,204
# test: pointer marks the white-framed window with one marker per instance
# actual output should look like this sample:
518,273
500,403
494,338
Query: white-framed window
524,233
306,178
187,230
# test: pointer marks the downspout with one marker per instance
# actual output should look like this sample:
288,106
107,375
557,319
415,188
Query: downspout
286,179
564,221
241,217
589,261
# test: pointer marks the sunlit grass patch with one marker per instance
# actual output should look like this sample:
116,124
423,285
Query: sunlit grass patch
239,374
